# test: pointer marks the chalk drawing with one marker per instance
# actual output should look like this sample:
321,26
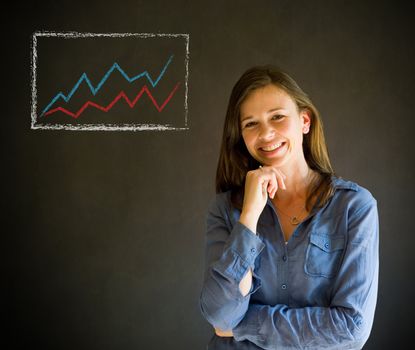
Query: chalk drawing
84,77
113,102
57,105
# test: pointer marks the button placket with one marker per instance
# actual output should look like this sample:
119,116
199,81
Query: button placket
285,253
284,266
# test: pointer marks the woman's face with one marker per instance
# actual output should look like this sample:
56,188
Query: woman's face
272,127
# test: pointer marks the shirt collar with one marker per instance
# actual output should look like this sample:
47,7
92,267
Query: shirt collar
340,183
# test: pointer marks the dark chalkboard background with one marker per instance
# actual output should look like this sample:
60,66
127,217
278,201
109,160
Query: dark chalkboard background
104,231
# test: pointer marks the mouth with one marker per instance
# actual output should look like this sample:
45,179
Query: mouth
272,150
273,147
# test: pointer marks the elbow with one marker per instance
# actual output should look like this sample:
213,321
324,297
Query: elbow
362,327
222,316
352,326
213,316
359,327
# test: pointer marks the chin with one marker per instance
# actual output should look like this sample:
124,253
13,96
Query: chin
277,163
272,161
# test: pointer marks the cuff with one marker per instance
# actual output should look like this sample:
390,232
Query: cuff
240,251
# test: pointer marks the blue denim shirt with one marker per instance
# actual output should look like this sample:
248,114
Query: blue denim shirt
317,291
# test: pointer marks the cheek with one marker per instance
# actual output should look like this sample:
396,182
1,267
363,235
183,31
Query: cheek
294,135
247,138
249,141
297,139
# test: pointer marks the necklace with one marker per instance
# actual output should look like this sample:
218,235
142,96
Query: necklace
294,219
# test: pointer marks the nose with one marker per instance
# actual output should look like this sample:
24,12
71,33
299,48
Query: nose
266,133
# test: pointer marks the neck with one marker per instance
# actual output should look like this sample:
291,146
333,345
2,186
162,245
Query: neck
298,179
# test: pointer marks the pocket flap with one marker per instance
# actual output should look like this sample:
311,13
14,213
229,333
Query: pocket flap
326,242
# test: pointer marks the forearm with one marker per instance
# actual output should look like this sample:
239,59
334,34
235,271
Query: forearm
278,326
250,221
246,283
222,304
228,281
244,287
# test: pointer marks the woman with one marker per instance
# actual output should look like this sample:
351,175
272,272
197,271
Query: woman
291,249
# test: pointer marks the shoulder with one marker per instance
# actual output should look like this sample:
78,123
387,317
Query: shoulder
219,201
351,211
220,207
350,194
355,208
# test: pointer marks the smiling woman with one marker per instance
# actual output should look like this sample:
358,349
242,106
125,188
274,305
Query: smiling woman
291,248
274,136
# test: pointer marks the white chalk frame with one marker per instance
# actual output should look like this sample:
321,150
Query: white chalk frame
102,127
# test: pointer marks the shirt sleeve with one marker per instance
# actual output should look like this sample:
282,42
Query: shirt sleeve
347,322
230,252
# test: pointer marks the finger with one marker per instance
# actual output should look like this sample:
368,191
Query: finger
267,181
268,175
273,186
280,176
274,191
281,183
278,171
264,186
277,179
271,190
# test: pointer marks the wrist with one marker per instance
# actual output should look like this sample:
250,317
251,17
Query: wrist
249,219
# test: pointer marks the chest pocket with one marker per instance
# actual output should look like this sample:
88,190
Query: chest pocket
324,253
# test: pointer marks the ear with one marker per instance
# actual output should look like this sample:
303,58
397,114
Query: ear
306,120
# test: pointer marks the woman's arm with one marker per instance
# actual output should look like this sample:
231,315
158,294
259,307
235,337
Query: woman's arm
231,251
246,282
230,255
250,221
347,322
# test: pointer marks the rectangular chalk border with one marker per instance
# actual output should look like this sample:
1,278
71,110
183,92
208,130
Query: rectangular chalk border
102,127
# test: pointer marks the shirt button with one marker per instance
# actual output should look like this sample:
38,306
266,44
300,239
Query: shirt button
326,245
284,258
284,286
253,250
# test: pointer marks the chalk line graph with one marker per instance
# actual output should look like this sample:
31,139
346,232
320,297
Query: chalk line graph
152,81
120,96
94,90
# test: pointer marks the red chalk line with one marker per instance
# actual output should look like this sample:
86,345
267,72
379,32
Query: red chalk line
113,102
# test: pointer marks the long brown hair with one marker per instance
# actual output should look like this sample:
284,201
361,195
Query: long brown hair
234,159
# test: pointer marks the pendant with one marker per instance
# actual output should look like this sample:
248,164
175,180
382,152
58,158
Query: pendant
294,220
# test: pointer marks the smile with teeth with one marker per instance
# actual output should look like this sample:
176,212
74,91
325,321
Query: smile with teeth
272,147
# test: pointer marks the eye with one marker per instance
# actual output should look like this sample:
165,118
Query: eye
249,125
277,116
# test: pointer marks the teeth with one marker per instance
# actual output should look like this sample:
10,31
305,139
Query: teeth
272,147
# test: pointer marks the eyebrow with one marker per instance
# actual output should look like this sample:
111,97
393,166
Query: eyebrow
270,111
